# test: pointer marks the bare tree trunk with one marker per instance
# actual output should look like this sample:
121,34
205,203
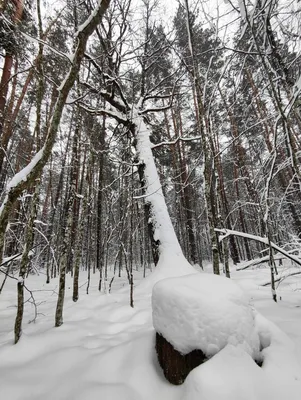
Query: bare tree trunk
6,75
66,253
80,235
208,156
74,201
99,226
24,264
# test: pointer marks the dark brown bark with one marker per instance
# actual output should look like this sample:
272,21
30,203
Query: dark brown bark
175,365
6,72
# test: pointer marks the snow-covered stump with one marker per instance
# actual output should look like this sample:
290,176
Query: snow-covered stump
195,316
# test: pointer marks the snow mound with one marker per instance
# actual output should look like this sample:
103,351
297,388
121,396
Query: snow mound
237,377
206,312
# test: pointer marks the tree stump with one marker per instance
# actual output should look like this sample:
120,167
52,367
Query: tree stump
175,365
195,317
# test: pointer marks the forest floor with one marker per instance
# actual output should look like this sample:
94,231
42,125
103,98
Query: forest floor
105,349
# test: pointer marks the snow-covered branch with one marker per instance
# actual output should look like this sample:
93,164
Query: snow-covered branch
119,117
257,261
51,48
173,142
227,232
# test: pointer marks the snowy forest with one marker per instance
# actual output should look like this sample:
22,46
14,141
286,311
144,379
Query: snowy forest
150,199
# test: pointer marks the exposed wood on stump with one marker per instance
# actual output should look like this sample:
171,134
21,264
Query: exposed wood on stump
175,365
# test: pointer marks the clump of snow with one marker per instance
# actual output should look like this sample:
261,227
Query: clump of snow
243,10
206,312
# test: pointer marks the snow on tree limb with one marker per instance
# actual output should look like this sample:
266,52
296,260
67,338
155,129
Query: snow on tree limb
173,142
227,232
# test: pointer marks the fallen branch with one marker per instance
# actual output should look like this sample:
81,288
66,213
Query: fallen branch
258,261
228,232
282,277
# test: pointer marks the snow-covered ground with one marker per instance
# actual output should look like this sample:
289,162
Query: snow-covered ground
105,349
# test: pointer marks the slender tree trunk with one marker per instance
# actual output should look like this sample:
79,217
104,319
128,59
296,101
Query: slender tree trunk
99,226
208,156
24,264
80,235
68,234
6,75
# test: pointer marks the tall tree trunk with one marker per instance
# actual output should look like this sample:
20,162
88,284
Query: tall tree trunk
29,237
81,229
99,226
208,156
6,74
66,255
161,231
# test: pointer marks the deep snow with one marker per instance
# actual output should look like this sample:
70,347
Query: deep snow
105,349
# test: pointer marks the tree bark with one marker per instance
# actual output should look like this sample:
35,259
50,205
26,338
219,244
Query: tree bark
207,148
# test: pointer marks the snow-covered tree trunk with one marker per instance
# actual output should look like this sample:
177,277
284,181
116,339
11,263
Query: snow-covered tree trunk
164,239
